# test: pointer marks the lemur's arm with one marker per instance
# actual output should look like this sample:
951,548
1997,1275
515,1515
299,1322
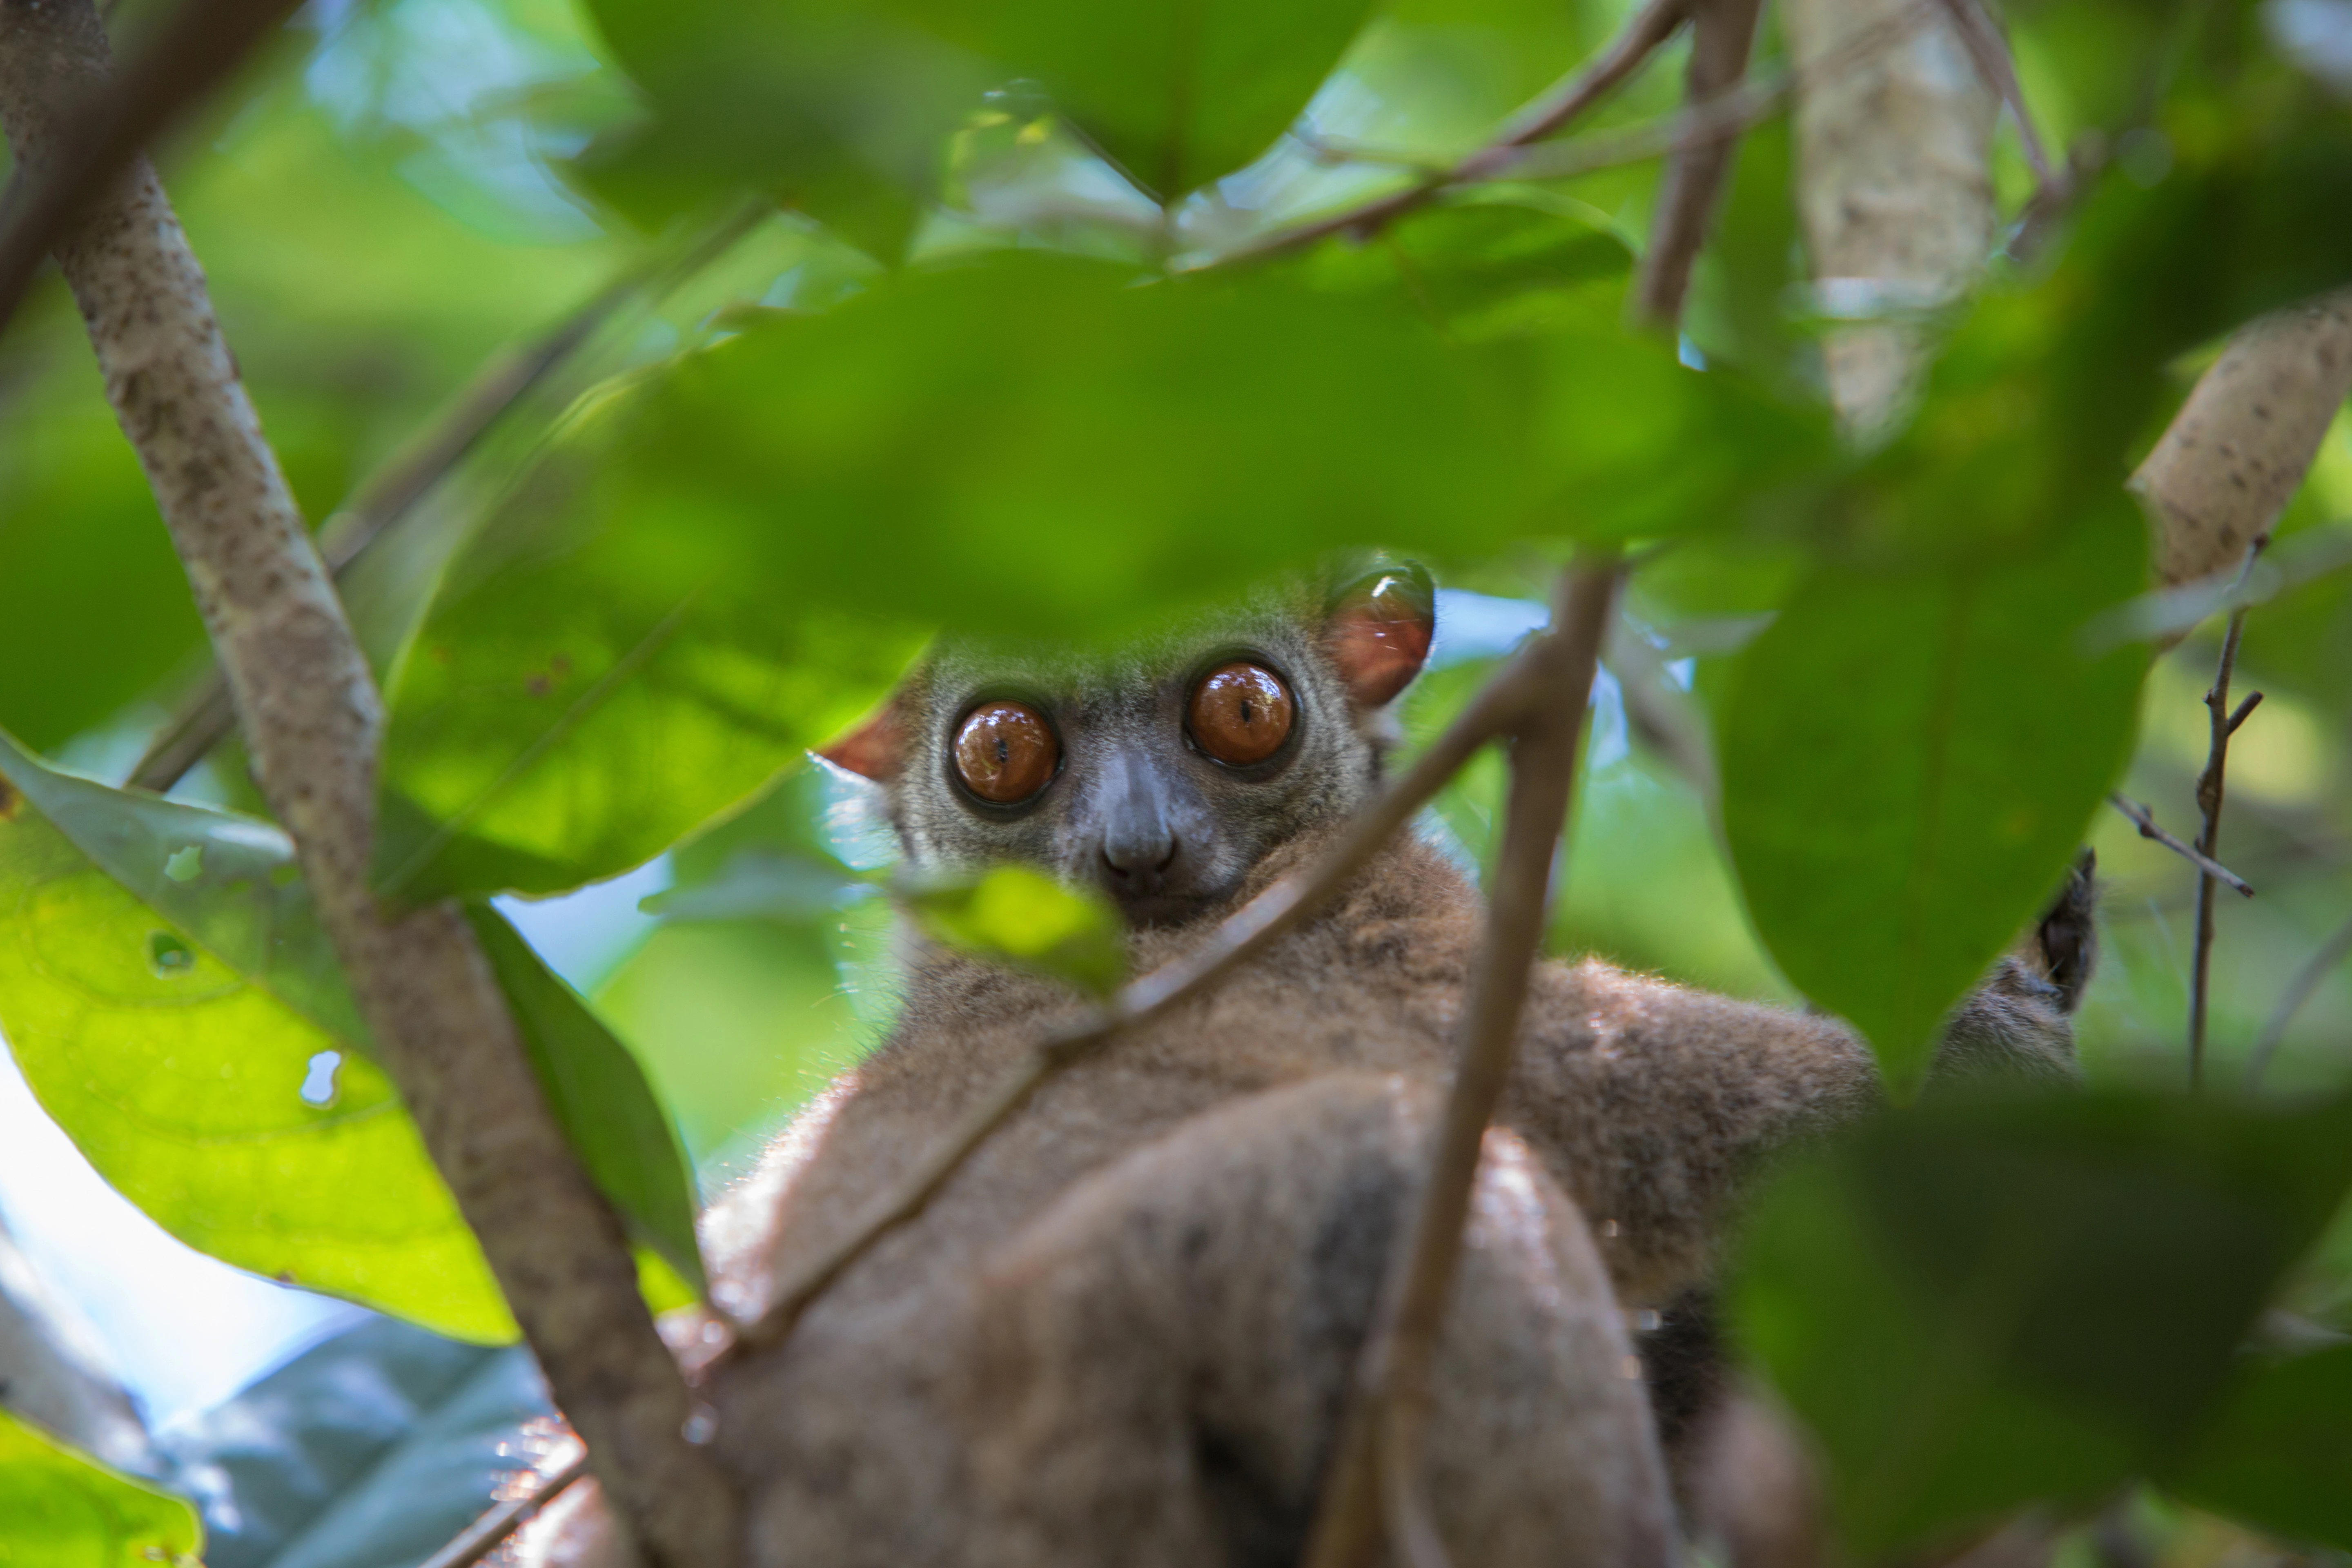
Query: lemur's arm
1654,1102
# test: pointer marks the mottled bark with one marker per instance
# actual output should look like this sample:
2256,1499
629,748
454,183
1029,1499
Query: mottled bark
1893,186
314,720
2237,451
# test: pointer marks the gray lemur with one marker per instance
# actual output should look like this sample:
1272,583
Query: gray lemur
1123,1331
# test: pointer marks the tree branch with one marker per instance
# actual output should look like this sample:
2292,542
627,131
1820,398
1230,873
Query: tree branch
313,718
1895,183
379,502
104,129
1375,1472
2149,830
2237,451
486,1534
1724,33
2224,723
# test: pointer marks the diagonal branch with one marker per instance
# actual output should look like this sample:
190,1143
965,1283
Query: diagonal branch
1375,1472
2205,863
1723,34
314,720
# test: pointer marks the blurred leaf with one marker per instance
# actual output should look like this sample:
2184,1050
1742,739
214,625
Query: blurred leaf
228,881
763,885
1178,91
1908,761
2278,1453
1486,259
66,1510
1978,1305
601,1096
1024,917
369,1450
183,1081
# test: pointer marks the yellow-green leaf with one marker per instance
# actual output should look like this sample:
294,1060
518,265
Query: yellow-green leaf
60,1509
1027,919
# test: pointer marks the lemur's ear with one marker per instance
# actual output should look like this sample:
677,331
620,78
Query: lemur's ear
877,748
1377,631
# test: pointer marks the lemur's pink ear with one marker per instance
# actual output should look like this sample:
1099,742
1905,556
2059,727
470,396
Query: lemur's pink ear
877,748
1378,630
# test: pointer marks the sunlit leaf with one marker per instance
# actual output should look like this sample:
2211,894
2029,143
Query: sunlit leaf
601,1096
234,1121
1026,918
1978,1305
65,1509
230,881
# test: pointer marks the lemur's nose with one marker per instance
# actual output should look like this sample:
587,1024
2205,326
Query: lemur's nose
1138,844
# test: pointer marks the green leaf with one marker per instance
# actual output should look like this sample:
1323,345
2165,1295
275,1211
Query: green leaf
1487,259
1909,758
601,1096
1025,917
182,1078
689,595
1975,1306
228,881
1177,91
2278,1453
65,1509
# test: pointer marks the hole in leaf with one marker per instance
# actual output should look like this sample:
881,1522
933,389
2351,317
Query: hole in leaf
319,1083
186,865
170,957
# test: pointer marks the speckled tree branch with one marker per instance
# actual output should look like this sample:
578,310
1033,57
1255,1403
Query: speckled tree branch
2237,451
1894,185
314,722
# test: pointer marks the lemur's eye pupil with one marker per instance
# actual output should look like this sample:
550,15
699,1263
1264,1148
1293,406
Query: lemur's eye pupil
1241,713
1005,752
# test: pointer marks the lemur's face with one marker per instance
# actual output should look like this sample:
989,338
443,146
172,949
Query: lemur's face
1161,775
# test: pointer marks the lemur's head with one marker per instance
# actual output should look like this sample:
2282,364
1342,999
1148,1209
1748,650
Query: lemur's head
1163,773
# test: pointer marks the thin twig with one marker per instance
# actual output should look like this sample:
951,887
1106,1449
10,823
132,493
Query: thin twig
2208,801
486,1534
391,493
1374,1473
190,52
1993,61
1572,96
1500,705
2188,852
2331,953
1722,35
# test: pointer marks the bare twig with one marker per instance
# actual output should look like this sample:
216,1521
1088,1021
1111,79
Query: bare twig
1373,1474
1723,33
389,494
1572,96
97,135
1499,706
314,719
2189,852
2224,723
2331,953
486,1534
1990,51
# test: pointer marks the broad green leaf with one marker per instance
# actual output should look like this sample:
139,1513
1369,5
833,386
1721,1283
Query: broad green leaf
1177,91
60,1509
1974,1306
1024,917
600,1095
731,560
1487,259
228,881
2278,1453
1909,758
183,1081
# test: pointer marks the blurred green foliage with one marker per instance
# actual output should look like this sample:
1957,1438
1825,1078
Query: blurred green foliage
67,1511
913,318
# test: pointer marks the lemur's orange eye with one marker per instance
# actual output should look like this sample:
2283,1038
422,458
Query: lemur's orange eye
1241,713
1005,752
